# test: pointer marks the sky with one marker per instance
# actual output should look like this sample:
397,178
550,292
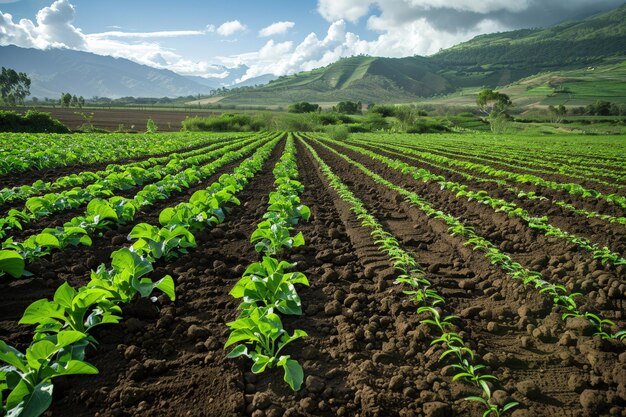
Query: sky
209,38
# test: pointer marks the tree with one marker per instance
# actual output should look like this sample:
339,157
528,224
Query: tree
490,101
14,86
74,101
66,99
81,101
303,107
347,107
557,113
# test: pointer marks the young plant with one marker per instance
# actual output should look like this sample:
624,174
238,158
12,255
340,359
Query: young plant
262,338
28,375
268,284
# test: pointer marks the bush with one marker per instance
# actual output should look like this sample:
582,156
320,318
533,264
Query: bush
384,110
303,107
151,127
31,122
338,132
226,122
374,122
427,126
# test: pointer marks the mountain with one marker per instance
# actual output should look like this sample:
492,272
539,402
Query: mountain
255,81
492,60
54,71
230,78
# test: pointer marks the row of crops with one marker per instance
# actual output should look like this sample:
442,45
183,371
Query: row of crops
508,207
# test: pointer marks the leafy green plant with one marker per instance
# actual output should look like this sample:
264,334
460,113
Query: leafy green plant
28,375
272,237
263,338
268,283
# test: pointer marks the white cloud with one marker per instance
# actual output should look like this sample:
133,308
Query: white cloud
230,28
277,28
53,28
402,27
353,10
158,34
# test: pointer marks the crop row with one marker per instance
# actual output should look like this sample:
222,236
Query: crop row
102,214
502,184
84,178
542,224
429,301
39,207
267,287
64,324
560,296
528,163
23,152
505,177
573,189
601,150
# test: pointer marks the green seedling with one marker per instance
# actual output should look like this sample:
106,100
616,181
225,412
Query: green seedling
263,338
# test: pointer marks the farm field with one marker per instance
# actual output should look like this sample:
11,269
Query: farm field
124,119
194,274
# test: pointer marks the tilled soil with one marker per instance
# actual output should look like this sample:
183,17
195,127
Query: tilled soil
607,234
519,167
73,264
542,362
601,206
54,173
367,354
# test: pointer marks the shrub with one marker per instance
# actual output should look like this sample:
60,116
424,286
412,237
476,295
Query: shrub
374,122
427,126
338,132
151,127
226,122
31,122
384,110
303,107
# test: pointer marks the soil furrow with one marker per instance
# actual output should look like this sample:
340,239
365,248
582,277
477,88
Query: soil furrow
511,328
612,235
52,174
555,258
52,270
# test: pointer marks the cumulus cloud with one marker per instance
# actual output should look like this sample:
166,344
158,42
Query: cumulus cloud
284,58
400,27
277,28
230,28
462,15
409,27
52,28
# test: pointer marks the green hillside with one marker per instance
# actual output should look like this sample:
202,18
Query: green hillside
357,78
494,60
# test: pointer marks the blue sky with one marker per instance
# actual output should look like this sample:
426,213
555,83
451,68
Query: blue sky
210,37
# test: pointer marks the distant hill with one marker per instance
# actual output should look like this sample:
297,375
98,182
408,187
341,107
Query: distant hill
488,60
54,71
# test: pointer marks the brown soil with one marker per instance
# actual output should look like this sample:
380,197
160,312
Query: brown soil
132,119
612,235
367,353
465,156
52,174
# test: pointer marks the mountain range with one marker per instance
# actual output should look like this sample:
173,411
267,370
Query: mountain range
55,71
492,60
